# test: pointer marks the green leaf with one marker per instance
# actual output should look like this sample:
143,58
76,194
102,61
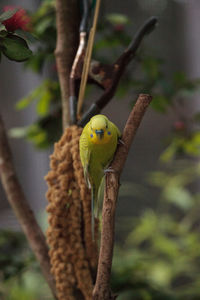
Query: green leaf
116,19
26,35
160,273
37,135
2,28
151,67
15,48
8,14
169,153
160,103
179,78
44,102
44,24
178,196
192,145
3,33
24,102
18,132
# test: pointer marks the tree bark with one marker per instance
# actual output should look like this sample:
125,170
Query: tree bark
102,289
67,23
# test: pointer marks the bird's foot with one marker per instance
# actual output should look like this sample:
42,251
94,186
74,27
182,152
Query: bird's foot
109,170
121,142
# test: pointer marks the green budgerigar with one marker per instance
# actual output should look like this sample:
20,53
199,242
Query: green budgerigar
98,143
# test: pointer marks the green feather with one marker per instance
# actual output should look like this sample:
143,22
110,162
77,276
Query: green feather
98,143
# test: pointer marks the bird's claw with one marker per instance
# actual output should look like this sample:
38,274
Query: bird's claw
109,170
121,142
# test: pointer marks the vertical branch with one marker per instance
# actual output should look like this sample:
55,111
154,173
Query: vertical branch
102,287
67,23
22,209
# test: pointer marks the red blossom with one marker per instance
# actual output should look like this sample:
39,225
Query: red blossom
179,125
20,20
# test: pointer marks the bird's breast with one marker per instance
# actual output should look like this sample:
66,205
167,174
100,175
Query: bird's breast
106,139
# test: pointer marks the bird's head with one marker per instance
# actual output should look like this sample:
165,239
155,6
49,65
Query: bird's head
100,131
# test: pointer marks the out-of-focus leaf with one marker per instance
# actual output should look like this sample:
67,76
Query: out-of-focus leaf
178,196
192,146
15,48
118,19
26,35
43,104
8,14
166,246
183,83
18,132
179,78
169,153
2,30
145,229
160,103
24,102
151,66
45,93
44,24
36,61
38,136
160,273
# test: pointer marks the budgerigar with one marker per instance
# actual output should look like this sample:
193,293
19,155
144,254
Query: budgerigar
98,143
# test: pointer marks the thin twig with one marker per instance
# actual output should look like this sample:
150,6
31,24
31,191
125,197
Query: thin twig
78,60
102,287
87,58
22,209
118,70
67,22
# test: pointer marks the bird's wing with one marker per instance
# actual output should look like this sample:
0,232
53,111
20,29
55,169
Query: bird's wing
116,129
85,157
85,169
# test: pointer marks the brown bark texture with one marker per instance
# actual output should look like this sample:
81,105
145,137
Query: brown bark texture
102,289
22,210
67,23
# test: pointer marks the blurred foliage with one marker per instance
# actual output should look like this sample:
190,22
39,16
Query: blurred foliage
169,91
13,257
20,277
160,258
48,126
13,45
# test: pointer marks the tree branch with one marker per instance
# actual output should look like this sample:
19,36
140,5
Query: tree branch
111,75
22,210
102,287
67,23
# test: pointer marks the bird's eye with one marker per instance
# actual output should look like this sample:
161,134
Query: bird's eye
91,135
109,133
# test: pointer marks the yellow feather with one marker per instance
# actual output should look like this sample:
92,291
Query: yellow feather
98,143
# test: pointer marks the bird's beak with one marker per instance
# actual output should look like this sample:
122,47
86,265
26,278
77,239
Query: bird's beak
99,133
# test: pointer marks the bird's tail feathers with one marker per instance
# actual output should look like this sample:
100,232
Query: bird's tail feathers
99,198
93,200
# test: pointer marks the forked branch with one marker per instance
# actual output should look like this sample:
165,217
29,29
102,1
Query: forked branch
110,75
